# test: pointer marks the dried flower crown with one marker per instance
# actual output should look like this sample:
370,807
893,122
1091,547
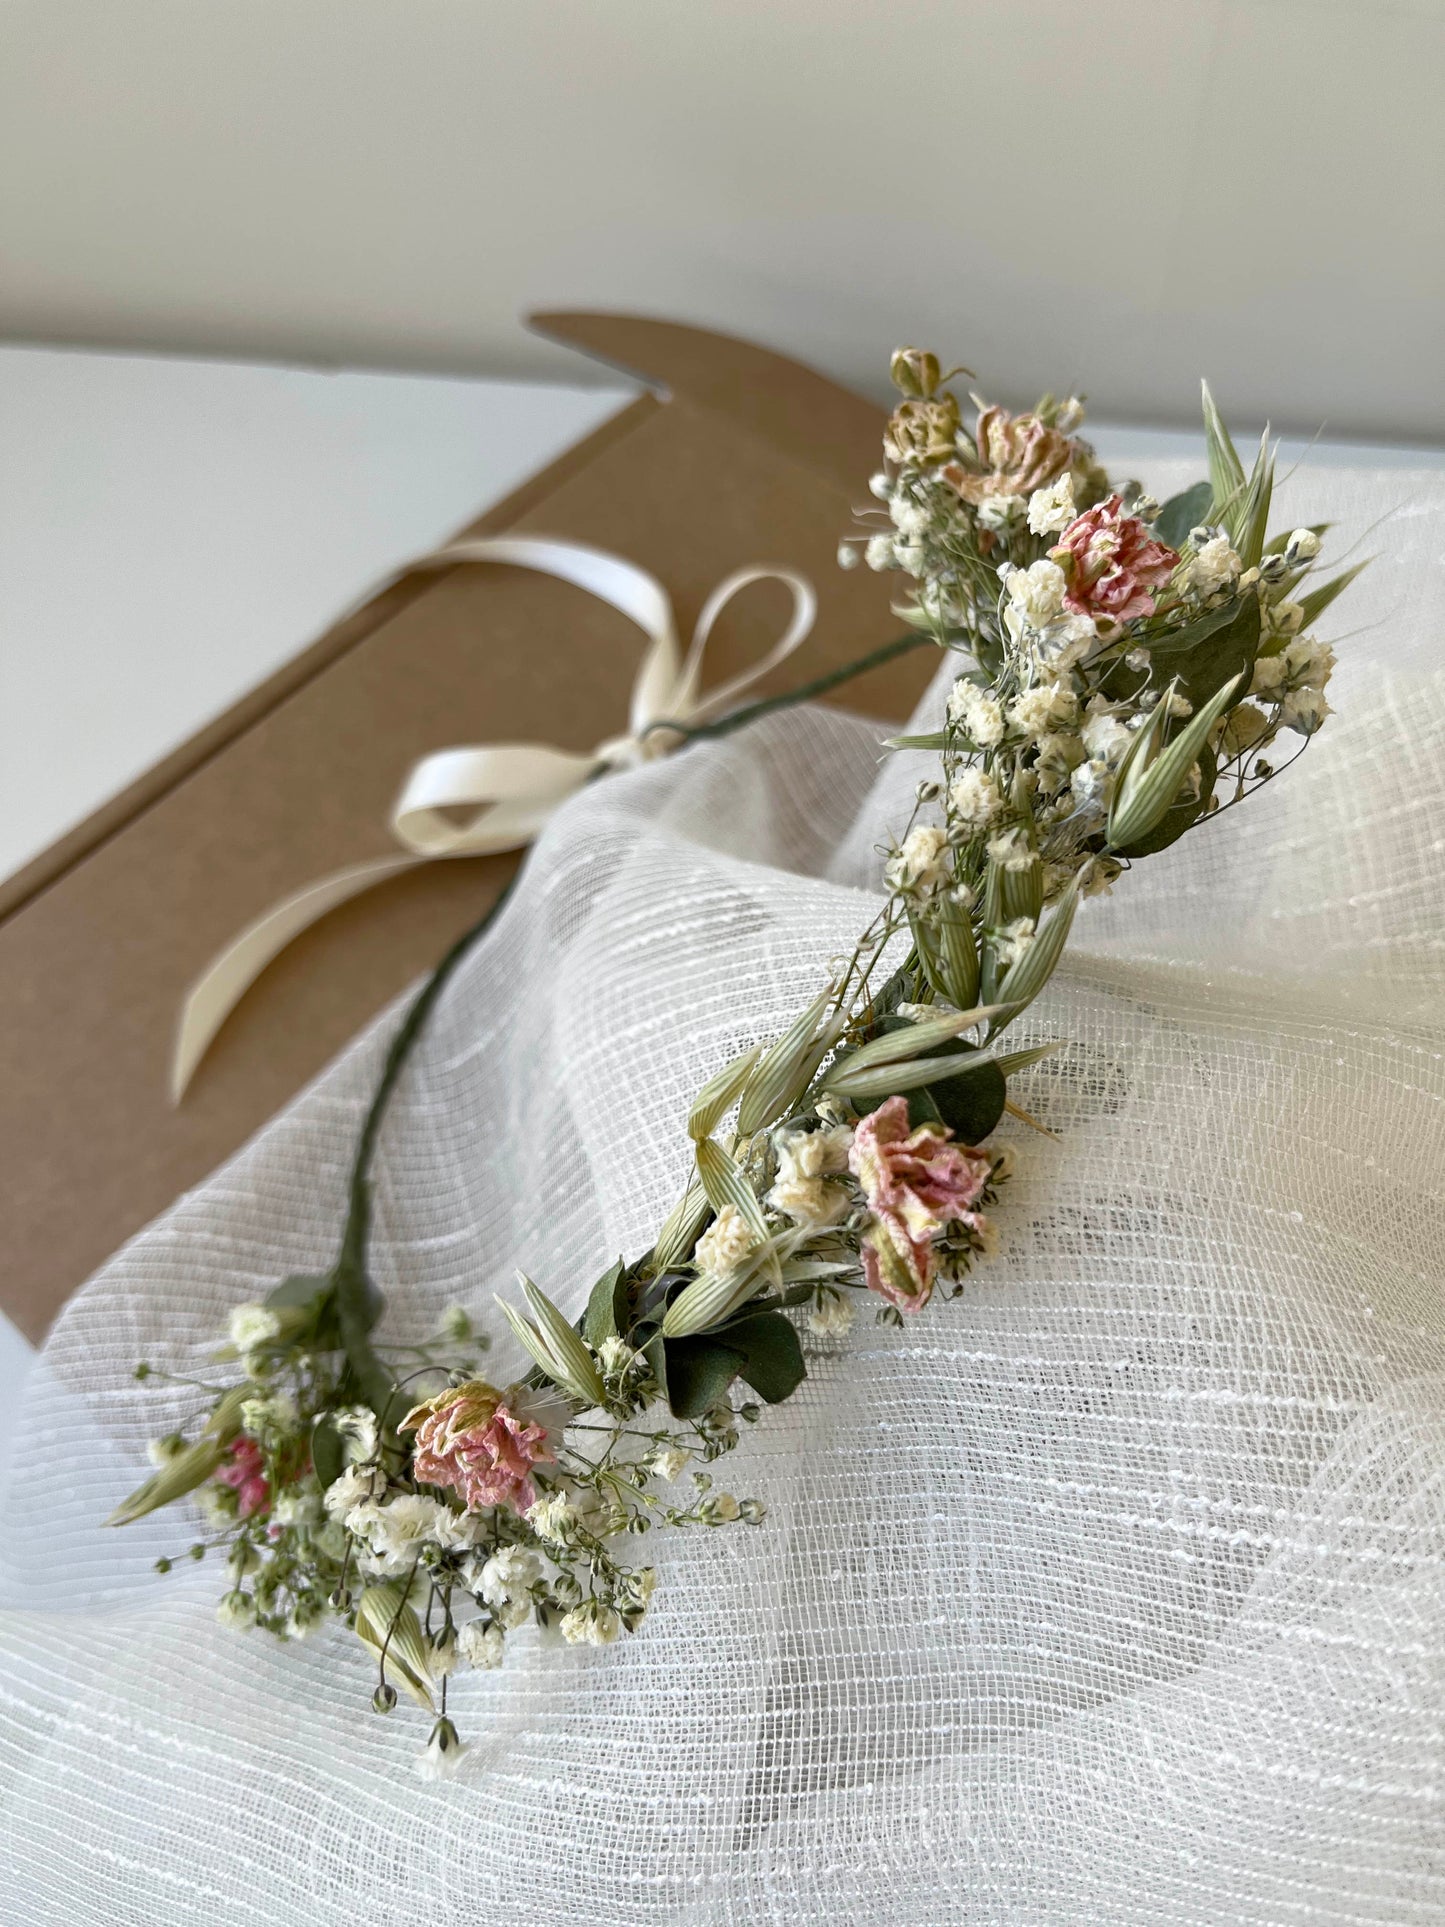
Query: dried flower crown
1125,672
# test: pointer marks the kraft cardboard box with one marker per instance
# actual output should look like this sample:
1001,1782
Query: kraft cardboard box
735,455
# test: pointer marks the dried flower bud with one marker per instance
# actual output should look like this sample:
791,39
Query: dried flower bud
923,431
914,372
1303,546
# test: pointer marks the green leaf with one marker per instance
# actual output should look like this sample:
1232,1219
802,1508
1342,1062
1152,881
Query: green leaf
179,1475
1013,1061
957,954
680,1231
1226,471
935,739
573,1366
302,1292
1179,816
902,1038
969,1106
328,1455
385,1623
720,1093
1024,980
1021,892
1147,790
892,1080
772,1356
1183,512
698,1372
787,1069
1207,654
608,1307
1247,519
191,1466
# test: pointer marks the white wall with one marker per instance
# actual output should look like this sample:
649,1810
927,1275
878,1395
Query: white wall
1113,193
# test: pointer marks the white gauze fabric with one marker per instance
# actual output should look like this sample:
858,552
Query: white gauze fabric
1111,1592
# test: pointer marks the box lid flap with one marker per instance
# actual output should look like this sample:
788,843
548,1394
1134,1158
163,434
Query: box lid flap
802,414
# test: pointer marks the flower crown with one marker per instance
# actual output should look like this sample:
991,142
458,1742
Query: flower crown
1125,672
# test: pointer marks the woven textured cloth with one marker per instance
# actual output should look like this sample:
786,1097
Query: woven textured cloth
1111,1592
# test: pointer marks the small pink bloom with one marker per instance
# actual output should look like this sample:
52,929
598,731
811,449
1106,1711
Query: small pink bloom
915,1182
1112,562
246,1477
467,1438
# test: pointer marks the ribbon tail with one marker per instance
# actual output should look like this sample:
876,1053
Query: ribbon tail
230,973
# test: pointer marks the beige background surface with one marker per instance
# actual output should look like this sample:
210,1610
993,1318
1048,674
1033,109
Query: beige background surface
1114,193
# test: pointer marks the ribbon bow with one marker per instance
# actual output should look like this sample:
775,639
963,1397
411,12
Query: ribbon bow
511,789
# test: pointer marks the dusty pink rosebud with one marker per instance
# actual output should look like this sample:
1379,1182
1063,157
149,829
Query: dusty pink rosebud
915,1182
467,1438
1111,562
244,1474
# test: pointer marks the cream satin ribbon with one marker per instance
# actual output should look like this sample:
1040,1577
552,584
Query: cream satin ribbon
511,789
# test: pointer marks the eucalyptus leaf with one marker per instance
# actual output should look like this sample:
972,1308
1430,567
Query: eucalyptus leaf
370,1381
328,1453
698,1373
1209,652
1183,512
608,1309
772,1356
303,1291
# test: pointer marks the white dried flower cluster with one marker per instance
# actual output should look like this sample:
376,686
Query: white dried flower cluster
1052,509
919,866
975,799
1213,569
976,713
250,1326
807,1161
728,1240
1036,594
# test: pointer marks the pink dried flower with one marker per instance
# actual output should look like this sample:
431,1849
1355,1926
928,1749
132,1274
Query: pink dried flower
1111,562
246,1477
467,1438
915,1182
1016,453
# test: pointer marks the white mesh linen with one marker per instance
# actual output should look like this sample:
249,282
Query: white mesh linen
1111,1592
